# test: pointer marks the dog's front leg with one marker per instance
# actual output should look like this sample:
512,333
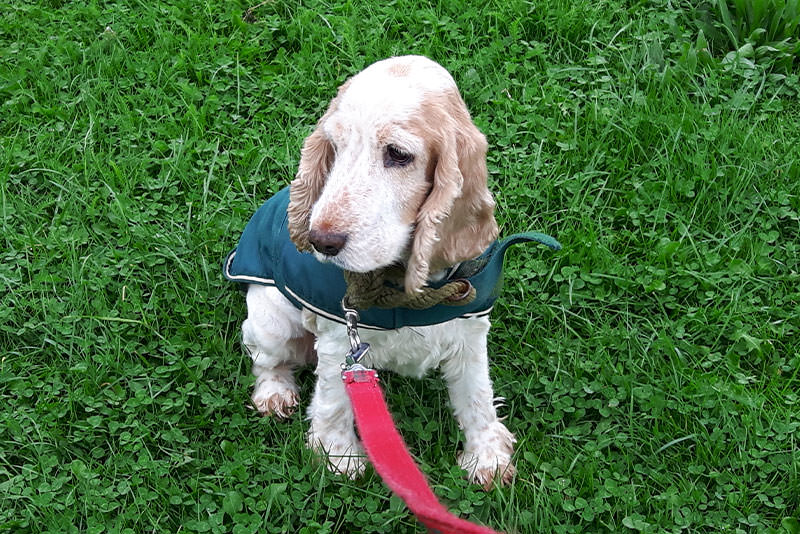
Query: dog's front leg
332,430
488,443
274,337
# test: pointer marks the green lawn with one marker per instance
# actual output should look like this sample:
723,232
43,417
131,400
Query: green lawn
649,369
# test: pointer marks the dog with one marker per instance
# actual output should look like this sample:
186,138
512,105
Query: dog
394,174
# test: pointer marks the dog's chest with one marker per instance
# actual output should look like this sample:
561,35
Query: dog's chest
411,351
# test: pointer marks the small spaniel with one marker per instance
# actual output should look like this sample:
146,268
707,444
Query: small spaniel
394,174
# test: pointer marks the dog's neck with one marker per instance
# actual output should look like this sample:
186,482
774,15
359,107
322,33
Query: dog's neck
371,289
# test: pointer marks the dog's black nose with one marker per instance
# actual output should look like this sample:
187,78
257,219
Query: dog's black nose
329,243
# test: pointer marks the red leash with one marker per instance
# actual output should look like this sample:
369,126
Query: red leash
389,455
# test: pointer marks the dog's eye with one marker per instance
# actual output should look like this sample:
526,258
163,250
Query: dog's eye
394,157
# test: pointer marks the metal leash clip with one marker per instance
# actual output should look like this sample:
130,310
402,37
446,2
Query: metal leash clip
358,348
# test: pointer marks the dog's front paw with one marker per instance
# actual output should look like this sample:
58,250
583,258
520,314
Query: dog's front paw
488,460
343,456
486,469
275,396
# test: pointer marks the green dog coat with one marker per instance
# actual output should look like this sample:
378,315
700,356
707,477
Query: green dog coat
265,255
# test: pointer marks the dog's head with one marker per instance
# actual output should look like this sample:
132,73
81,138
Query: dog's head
395,171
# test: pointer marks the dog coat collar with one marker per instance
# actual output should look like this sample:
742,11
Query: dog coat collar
267,256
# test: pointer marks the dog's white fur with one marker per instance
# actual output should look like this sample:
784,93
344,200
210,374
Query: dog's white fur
428,215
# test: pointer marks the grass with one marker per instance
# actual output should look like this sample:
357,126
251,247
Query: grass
767,31
650,369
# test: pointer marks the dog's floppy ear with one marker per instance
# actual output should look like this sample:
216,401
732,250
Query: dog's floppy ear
456,222
316,160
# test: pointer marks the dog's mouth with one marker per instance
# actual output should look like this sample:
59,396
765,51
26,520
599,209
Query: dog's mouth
362,250
349,260
342,261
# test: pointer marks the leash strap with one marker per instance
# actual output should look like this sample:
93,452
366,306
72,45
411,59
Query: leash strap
391,459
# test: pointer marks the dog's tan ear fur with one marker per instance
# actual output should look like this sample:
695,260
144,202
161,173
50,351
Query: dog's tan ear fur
456,222
316,160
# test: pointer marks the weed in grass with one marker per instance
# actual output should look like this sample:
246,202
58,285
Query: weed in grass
764,31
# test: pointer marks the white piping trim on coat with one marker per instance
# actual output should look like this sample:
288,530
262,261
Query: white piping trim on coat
244,277
332,317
